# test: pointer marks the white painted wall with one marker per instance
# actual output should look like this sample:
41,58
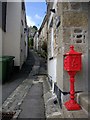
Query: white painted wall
26,42
23,40
52,64
34,43
0,42
37,40
88,43
52,42
52,68
37,43
26,46
0,29
11,43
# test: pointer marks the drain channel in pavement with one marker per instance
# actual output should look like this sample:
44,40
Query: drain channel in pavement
7,115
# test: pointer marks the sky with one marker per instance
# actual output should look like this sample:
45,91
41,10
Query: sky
35,12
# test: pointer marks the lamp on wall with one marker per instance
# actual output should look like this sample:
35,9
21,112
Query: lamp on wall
52,10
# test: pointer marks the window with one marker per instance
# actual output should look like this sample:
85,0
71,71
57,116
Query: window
79,35
4,7
22,22
0,15
23,6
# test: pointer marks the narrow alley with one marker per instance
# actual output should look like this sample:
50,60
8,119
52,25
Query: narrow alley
25,97
44,59
32,96
18,76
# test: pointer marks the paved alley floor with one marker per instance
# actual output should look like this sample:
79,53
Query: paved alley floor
32,96
33,105
26,97
18,76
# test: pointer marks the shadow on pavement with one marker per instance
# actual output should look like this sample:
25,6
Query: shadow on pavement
18,76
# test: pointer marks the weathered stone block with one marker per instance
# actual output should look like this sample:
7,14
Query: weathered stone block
77,30
66,35
84,6
59,8
75,5
78,47
65,6
75,19
79,35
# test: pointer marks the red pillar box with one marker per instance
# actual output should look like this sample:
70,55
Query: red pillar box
72,64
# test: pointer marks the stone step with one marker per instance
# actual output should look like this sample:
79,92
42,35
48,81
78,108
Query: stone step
58,112
73,114
83,100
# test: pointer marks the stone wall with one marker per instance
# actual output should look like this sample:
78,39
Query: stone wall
43,35
88,45
72,30
76,19
70,26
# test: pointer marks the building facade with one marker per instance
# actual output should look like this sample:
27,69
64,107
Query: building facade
41,36
67,25
13,30
36,41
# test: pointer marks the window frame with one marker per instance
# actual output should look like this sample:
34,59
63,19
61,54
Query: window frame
4,14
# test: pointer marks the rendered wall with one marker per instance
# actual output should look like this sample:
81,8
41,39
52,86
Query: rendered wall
0,29
11,43
23,39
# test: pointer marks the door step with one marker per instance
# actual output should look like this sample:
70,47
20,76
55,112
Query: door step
83,100
73,114
7,115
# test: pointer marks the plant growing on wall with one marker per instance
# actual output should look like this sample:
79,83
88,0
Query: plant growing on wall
44,46
30,42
